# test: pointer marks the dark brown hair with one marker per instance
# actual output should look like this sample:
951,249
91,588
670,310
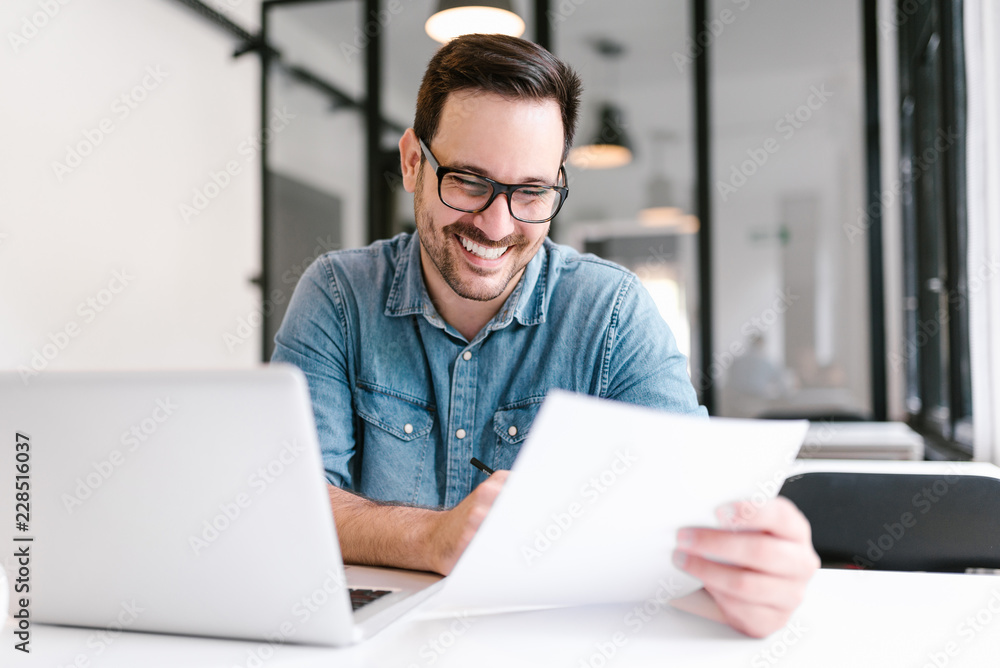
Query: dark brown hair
507,66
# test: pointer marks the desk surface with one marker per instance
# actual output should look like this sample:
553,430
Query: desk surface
849,618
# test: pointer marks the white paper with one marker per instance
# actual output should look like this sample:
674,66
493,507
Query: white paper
593,503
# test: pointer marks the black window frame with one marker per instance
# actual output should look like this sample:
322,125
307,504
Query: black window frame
932,113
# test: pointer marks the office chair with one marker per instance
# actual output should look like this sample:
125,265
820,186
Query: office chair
903,522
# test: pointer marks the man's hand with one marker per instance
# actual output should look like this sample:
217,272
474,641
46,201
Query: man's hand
454,529
377,534
756,567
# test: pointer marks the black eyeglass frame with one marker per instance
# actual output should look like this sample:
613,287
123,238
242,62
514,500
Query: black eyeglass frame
498,188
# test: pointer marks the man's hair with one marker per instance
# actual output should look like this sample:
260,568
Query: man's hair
507,66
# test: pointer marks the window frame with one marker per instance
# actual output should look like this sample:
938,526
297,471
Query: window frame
935,227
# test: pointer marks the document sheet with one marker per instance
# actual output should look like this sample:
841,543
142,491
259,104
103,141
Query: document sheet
593,503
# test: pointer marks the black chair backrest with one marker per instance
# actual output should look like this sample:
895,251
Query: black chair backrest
902,522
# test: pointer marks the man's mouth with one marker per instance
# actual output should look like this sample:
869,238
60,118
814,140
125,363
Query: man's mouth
482,251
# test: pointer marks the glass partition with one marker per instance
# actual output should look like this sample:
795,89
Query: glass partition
790,279
635,56
314,141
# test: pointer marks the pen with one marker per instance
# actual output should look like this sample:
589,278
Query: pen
481,466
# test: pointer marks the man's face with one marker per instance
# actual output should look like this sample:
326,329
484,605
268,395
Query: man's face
510,141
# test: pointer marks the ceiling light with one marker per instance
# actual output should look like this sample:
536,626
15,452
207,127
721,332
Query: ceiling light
455,17
609,148
663,210
669,218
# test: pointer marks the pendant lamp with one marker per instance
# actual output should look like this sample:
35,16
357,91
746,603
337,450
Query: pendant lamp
455,17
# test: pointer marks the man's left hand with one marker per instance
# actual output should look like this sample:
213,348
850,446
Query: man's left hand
756,567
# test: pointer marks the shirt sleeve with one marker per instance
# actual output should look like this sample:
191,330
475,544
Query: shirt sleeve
643,365
313,337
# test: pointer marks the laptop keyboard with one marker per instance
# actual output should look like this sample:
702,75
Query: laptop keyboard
362,597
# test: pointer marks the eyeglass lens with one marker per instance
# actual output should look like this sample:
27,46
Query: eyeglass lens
529,203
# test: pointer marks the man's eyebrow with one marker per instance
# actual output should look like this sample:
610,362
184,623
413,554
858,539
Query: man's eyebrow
475,169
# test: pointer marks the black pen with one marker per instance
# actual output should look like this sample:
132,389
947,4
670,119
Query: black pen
481,466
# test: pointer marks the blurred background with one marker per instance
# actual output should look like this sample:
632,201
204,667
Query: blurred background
170,167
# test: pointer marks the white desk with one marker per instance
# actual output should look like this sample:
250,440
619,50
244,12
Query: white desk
849,619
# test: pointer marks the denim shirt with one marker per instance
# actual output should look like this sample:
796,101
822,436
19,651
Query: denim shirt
402,400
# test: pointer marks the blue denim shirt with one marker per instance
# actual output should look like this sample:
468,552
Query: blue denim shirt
403,401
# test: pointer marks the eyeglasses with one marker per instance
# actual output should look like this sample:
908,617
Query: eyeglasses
472,193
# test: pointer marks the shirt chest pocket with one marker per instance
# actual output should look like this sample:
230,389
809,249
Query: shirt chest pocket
511,425
395,443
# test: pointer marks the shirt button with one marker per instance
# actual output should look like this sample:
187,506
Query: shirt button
512,430
467,355
460,434
408,428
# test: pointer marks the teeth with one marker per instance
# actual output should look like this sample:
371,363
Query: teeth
482,251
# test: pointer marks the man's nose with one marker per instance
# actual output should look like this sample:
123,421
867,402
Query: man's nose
496,222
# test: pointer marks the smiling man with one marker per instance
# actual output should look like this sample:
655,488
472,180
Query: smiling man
426,350
471,263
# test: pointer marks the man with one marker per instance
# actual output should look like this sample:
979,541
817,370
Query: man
423,351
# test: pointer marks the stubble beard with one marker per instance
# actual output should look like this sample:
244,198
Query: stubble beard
442,252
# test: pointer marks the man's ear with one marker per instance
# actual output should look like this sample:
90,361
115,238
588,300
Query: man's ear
409,159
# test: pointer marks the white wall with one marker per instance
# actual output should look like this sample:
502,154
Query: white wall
66,234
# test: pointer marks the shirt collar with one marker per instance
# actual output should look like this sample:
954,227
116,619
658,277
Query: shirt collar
408,294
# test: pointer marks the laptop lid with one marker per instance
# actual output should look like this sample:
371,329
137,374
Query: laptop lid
178,502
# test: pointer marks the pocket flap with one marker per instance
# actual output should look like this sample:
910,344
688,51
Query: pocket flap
512,424
403,418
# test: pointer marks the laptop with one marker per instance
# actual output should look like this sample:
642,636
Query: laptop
187,502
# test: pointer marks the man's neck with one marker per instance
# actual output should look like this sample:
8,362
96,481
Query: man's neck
468,316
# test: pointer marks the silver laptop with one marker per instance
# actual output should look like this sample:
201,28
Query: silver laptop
185,502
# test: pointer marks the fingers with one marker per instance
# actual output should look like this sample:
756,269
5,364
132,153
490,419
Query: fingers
757,567
457,526
496,479
482,497
753,603
779,517
760,552
742,584
486,492
771,538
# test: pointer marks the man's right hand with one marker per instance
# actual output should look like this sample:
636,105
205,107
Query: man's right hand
453,529
374,534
